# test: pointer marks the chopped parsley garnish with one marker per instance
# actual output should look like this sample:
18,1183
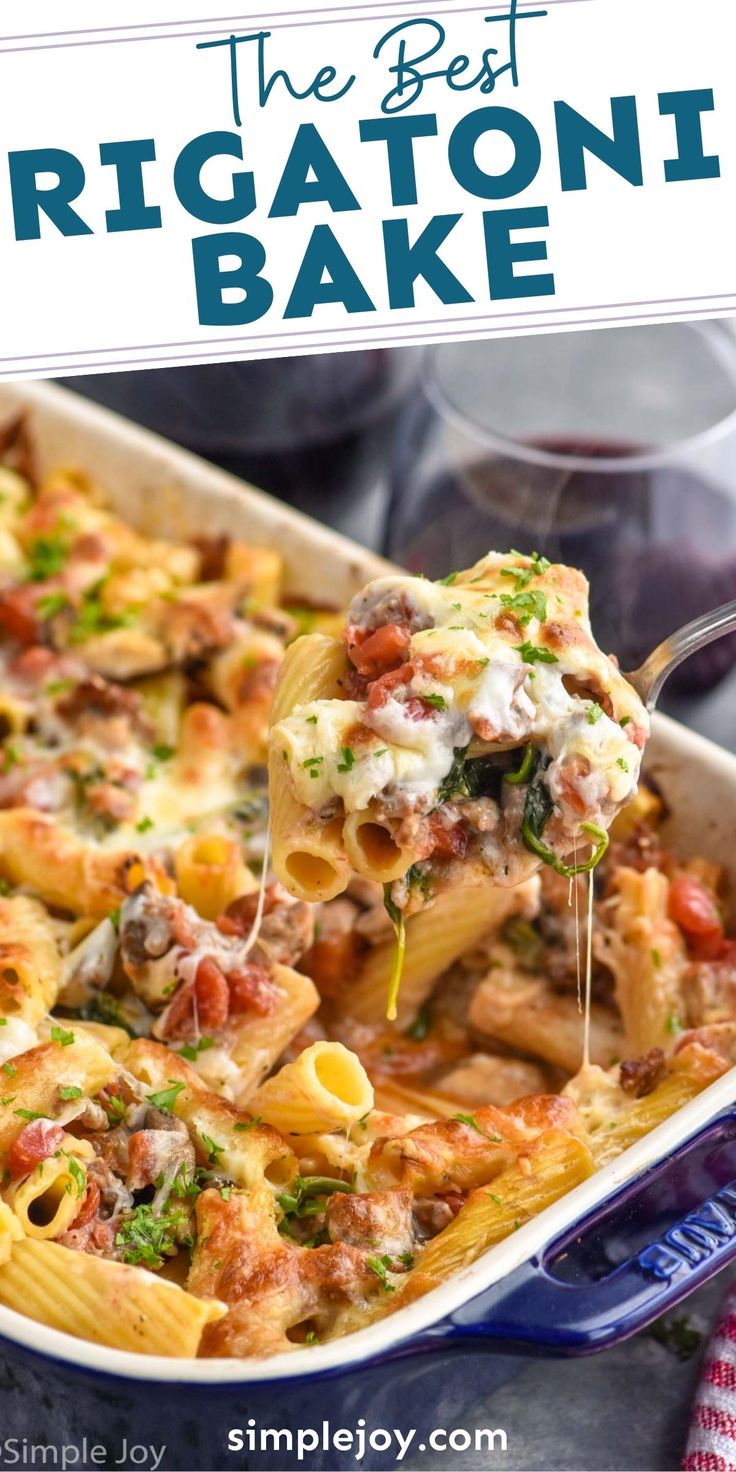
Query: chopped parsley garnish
29,1114
593,714
93,618
3,1021
380,1266
143,825
46,558
5,889
78,1176
438,701
114,916
535,654
70,1091
524,575
166,1098
191,1051
311,764
248,1124
185,1185
60,1035
162,752
311,720
622,763
625,721
526,606
114,1108
12,754
472,1123
674,1025
311,1338
495,1198
10,1069
656,957
407,1260
449,580
148,1239
225,1192
348,759
51,604
214,1151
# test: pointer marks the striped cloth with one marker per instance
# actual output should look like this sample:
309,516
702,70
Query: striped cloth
711,1445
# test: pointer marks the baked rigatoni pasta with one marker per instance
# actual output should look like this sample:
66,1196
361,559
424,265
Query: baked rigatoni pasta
212,1141
105,1302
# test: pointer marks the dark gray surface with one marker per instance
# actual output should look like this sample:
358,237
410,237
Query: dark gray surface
626,1410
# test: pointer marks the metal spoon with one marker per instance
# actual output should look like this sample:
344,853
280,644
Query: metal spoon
651,675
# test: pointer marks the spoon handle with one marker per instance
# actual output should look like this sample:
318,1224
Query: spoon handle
651,675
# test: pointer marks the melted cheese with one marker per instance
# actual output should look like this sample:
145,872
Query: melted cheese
502,655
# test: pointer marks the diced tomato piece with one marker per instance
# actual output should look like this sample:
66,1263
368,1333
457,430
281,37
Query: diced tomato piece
33,663
693,908
90,547
448,840
88,1210
19,614
455,1202
374,654
380,692
213,996
178,1019
710,947
571,780
251,990
205,1001
38,1139
240,913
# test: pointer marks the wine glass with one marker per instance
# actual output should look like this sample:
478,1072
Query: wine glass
613,450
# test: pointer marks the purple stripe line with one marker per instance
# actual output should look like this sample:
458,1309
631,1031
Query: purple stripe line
283,25
455,336
244,19
315,332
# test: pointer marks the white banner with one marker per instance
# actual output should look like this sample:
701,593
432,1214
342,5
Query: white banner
313,178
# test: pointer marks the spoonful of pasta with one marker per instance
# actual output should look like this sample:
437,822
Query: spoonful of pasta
460,731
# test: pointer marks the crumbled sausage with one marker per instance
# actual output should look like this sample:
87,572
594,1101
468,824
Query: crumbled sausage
639,1076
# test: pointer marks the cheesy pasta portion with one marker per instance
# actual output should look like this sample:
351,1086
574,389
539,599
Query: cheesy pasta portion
477,730
212,1141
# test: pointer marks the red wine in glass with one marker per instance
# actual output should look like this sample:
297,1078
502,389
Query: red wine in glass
656,541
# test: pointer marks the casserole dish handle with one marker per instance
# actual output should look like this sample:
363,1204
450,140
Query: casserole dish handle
537,1310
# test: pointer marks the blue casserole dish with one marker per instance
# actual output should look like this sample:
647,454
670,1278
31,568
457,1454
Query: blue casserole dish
618,1251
